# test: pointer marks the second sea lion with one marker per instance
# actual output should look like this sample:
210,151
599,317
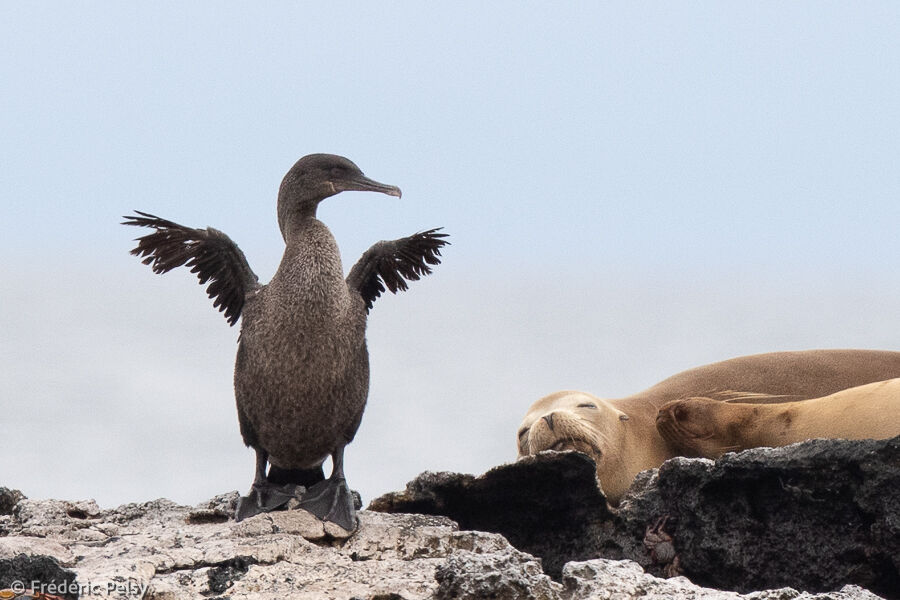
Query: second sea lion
709,428
621,434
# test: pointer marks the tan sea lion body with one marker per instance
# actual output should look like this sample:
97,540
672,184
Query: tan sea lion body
622,440
705,427
623,447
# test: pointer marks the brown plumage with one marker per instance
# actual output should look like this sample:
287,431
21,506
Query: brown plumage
302,372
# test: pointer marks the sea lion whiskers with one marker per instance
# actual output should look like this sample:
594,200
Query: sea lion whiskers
578,443
672,415
560,430
866,411
763,380
737,397
679,423
729,448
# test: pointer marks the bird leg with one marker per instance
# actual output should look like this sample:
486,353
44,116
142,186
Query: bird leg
264,496
331,500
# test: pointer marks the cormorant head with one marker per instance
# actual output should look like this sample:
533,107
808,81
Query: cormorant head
318,176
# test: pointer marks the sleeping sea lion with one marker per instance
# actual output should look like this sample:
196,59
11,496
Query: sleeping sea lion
616,440
706,427
621,434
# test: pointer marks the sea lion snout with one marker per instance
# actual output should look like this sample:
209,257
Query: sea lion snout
686,417
576,421
670,413
559,429
685,409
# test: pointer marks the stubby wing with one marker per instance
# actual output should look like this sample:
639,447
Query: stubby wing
207,252
389,265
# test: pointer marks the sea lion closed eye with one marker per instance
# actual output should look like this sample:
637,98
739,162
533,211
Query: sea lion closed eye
704,427
621,434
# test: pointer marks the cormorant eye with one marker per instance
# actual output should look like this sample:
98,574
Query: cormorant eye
587,405
337,171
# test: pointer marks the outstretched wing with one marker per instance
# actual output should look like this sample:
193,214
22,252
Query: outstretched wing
208,252
391,264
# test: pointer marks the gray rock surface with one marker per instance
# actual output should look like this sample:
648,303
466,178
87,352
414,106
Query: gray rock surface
814,516
159,550
623,579
546,505
8,499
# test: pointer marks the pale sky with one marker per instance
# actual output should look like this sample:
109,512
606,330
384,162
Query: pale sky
631,189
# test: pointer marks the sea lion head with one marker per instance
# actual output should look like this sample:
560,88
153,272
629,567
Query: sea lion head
694,426
571,420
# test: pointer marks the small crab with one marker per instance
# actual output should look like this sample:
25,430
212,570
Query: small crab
662,548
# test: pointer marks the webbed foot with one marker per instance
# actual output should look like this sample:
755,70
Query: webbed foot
331,500
262,498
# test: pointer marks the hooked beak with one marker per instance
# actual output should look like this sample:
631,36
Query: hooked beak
361,183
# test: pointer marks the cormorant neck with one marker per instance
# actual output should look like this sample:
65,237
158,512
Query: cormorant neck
293,213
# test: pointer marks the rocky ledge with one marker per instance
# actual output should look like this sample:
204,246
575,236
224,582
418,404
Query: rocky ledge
818,516
813,516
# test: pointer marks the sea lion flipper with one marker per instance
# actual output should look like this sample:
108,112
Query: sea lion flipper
209,253
394,263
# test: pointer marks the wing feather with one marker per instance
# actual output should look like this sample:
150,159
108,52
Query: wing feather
390,265
209,253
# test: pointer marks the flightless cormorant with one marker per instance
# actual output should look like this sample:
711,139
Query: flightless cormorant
301,374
